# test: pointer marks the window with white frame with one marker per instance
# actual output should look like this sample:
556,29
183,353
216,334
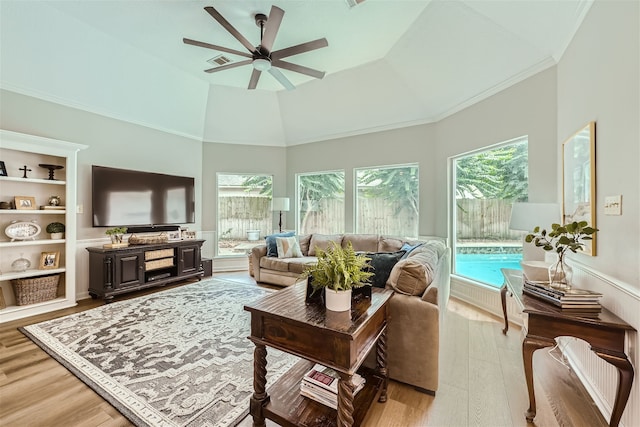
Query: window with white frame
486,183
320,197
244,211
387,200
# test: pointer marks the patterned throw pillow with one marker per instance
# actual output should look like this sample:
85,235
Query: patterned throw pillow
288,247
272,249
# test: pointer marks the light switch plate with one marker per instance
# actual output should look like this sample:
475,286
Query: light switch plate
613,205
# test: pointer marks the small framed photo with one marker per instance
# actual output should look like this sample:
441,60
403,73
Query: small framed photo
3,169
174,235
25,202
49,260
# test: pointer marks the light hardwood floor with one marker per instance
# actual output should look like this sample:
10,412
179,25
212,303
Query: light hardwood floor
481,382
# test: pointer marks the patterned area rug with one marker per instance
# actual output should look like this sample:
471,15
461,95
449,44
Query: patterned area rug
173,358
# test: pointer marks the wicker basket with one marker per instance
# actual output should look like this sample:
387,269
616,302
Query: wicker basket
35,289
147,240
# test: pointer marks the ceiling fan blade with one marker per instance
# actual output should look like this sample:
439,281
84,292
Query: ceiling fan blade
253,82
228,66
300,48
281,78
298,68
215,47
271,27
235,33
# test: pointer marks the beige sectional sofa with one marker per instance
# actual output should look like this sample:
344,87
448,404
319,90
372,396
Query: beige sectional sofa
421,285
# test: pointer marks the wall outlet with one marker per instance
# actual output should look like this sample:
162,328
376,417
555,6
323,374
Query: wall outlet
80,209
613,205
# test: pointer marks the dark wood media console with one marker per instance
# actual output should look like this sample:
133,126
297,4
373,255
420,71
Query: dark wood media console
118,271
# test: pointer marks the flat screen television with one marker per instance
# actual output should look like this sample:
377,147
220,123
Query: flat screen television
122,197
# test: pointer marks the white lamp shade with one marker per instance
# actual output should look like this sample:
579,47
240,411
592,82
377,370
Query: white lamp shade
527,216
280,204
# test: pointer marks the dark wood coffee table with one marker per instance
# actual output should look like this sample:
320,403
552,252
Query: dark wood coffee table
340,341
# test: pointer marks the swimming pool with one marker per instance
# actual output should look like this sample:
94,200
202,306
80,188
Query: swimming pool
486,267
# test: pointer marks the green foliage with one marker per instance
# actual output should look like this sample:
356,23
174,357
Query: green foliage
115,230
397,185
55,227
263,183
339,269
562,238
500,173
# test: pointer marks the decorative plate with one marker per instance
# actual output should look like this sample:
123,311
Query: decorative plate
22,230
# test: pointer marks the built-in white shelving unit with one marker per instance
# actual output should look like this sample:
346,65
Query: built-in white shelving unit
16,151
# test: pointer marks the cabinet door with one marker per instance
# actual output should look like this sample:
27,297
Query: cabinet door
188,259
129,269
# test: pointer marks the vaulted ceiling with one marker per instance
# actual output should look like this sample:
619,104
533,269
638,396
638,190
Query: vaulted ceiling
389,63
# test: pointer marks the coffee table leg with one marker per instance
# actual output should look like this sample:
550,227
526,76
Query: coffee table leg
260,396
381,362
345,401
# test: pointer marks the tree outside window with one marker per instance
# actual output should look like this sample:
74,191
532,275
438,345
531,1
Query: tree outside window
388,200
321,202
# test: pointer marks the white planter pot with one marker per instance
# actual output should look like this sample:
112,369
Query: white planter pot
57,235
337,300
253,235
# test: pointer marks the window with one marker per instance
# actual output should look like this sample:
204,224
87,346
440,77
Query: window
387,200
486,183
244,212
320,202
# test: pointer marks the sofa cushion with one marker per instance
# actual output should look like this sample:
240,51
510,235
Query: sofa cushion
431,294
409,276
274,263
389,244
304,241
297,265
361,242
381,265
272,248
322,241
288,247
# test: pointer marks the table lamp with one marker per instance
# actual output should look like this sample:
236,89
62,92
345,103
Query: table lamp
280,204
527,216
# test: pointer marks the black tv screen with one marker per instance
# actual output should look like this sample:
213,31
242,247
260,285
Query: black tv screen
122,197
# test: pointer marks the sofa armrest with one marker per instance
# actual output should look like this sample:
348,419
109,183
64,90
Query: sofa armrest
413,341
257,252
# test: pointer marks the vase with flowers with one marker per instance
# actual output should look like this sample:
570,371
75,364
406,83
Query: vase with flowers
560,239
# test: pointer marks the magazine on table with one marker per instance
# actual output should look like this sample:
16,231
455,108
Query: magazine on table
328,378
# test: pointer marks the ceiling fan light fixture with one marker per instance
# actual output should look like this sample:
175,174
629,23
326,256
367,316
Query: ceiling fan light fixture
261,64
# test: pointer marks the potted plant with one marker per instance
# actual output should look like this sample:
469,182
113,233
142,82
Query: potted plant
560,239
338,271
116,234
56,229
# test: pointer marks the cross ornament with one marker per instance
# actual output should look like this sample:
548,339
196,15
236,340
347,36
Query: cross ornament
25,170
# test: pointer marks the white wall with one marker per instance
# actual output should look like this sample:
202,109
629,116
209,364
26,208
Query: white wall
111,143
599,80
414,144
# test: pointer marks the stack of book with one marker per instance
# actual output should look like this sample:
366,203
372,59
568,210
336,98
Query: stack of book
574,300
321,384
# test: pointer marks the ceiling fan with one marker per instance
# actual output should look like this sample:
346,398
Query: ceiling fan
262,57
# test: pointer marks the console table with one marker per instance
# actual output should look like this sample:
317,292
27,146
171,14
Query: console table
605,333
340,341
118,271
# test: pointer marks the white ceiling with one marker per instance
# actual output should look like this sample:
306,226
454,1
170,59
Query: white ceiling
389,63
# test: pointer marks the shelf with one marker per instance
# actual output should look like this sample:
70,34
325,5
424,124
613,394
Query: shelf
32,211
30,273
14,312
31,243
288,408
32,180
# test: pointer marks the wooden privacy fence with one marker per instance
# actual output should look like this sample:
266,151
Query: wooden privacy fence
477,219
484,219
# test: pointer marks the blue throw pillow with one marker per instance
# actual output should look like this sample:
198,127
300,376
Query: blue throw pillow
272,247
408,249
